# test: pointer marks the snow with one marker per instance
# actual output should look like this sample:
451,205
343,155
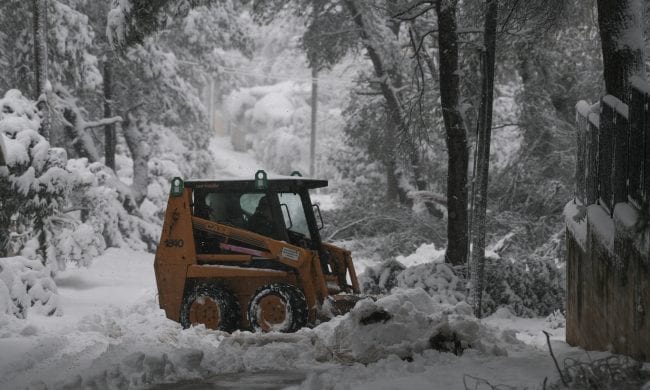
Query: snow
26,287
617,105
601,224
626,218
112,332
326,201
626,214
594,119
583,108
426,253
87,315
233,163
580,219
640,84
576,221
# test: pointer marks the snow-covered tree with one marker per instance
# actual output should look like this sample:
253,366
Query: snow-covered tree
34,188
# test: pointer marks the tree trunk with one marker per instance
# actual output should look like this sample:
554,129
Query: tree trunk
389,84
109,129
483,156
392,182
81,140
140,155
621,34
39,12
456,137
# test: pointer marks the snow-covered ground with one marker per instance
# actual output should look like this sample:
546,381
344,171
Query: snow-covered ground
113,335
231,163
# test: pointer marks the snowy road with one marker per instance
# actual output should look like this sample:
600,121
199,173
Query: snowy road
113,335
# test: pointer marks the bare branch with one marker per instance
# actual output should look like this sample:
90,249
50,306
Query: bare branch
369,93
550,350
402,15
505,125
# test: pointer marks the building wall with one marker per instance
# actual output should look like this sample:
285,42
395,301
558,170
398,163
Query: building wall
608,288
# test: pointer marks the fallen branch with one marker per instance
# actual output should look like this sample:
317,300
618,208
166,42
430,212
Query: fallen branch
557,366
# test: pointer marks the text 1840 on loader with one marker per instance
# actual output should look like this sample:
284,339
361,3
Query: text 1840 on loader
247,254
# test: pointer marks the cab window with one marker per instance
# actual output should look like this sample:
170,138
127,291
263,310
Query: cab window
294,214
249,202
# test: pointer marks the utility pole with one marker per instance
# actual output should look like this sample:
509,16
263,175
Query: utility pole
211,107
314,110
109,129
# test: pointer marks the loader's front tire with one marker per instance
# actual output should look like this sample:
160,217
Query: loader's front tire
211,305
278,307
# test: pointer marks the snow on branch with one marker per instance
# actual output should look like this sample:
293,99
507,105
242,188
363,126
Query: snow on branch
130,21
27,285
102,122
427,196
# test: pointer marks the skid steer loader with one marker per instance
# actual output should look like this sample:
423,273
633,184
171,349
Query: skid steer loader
247,254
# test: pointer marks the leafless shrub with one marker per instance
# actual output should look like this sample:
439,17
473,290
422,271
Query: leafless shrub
612,372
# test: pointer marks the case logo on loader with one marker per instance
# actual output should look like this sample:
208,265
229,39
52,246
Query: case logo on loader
171,243
290,254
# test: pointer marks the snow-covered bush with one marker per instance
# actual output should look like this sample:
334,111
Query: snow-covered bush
387,231
105,204
26,285
534,287
436,278
36,192
612,372
75,208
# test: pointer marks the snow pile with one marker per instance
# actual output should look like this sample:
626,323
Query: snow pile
141,347
404,323
429,273
381,278
26,286
424,254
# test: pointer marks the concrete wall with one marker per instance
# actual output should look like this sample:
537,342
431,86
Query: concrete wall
608,282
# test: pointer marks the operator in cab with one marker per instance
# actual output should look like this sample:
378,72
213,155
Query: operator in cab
261,221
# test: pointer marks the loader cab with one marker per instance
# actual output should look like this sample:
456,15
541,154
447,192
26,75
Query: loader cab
279,208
